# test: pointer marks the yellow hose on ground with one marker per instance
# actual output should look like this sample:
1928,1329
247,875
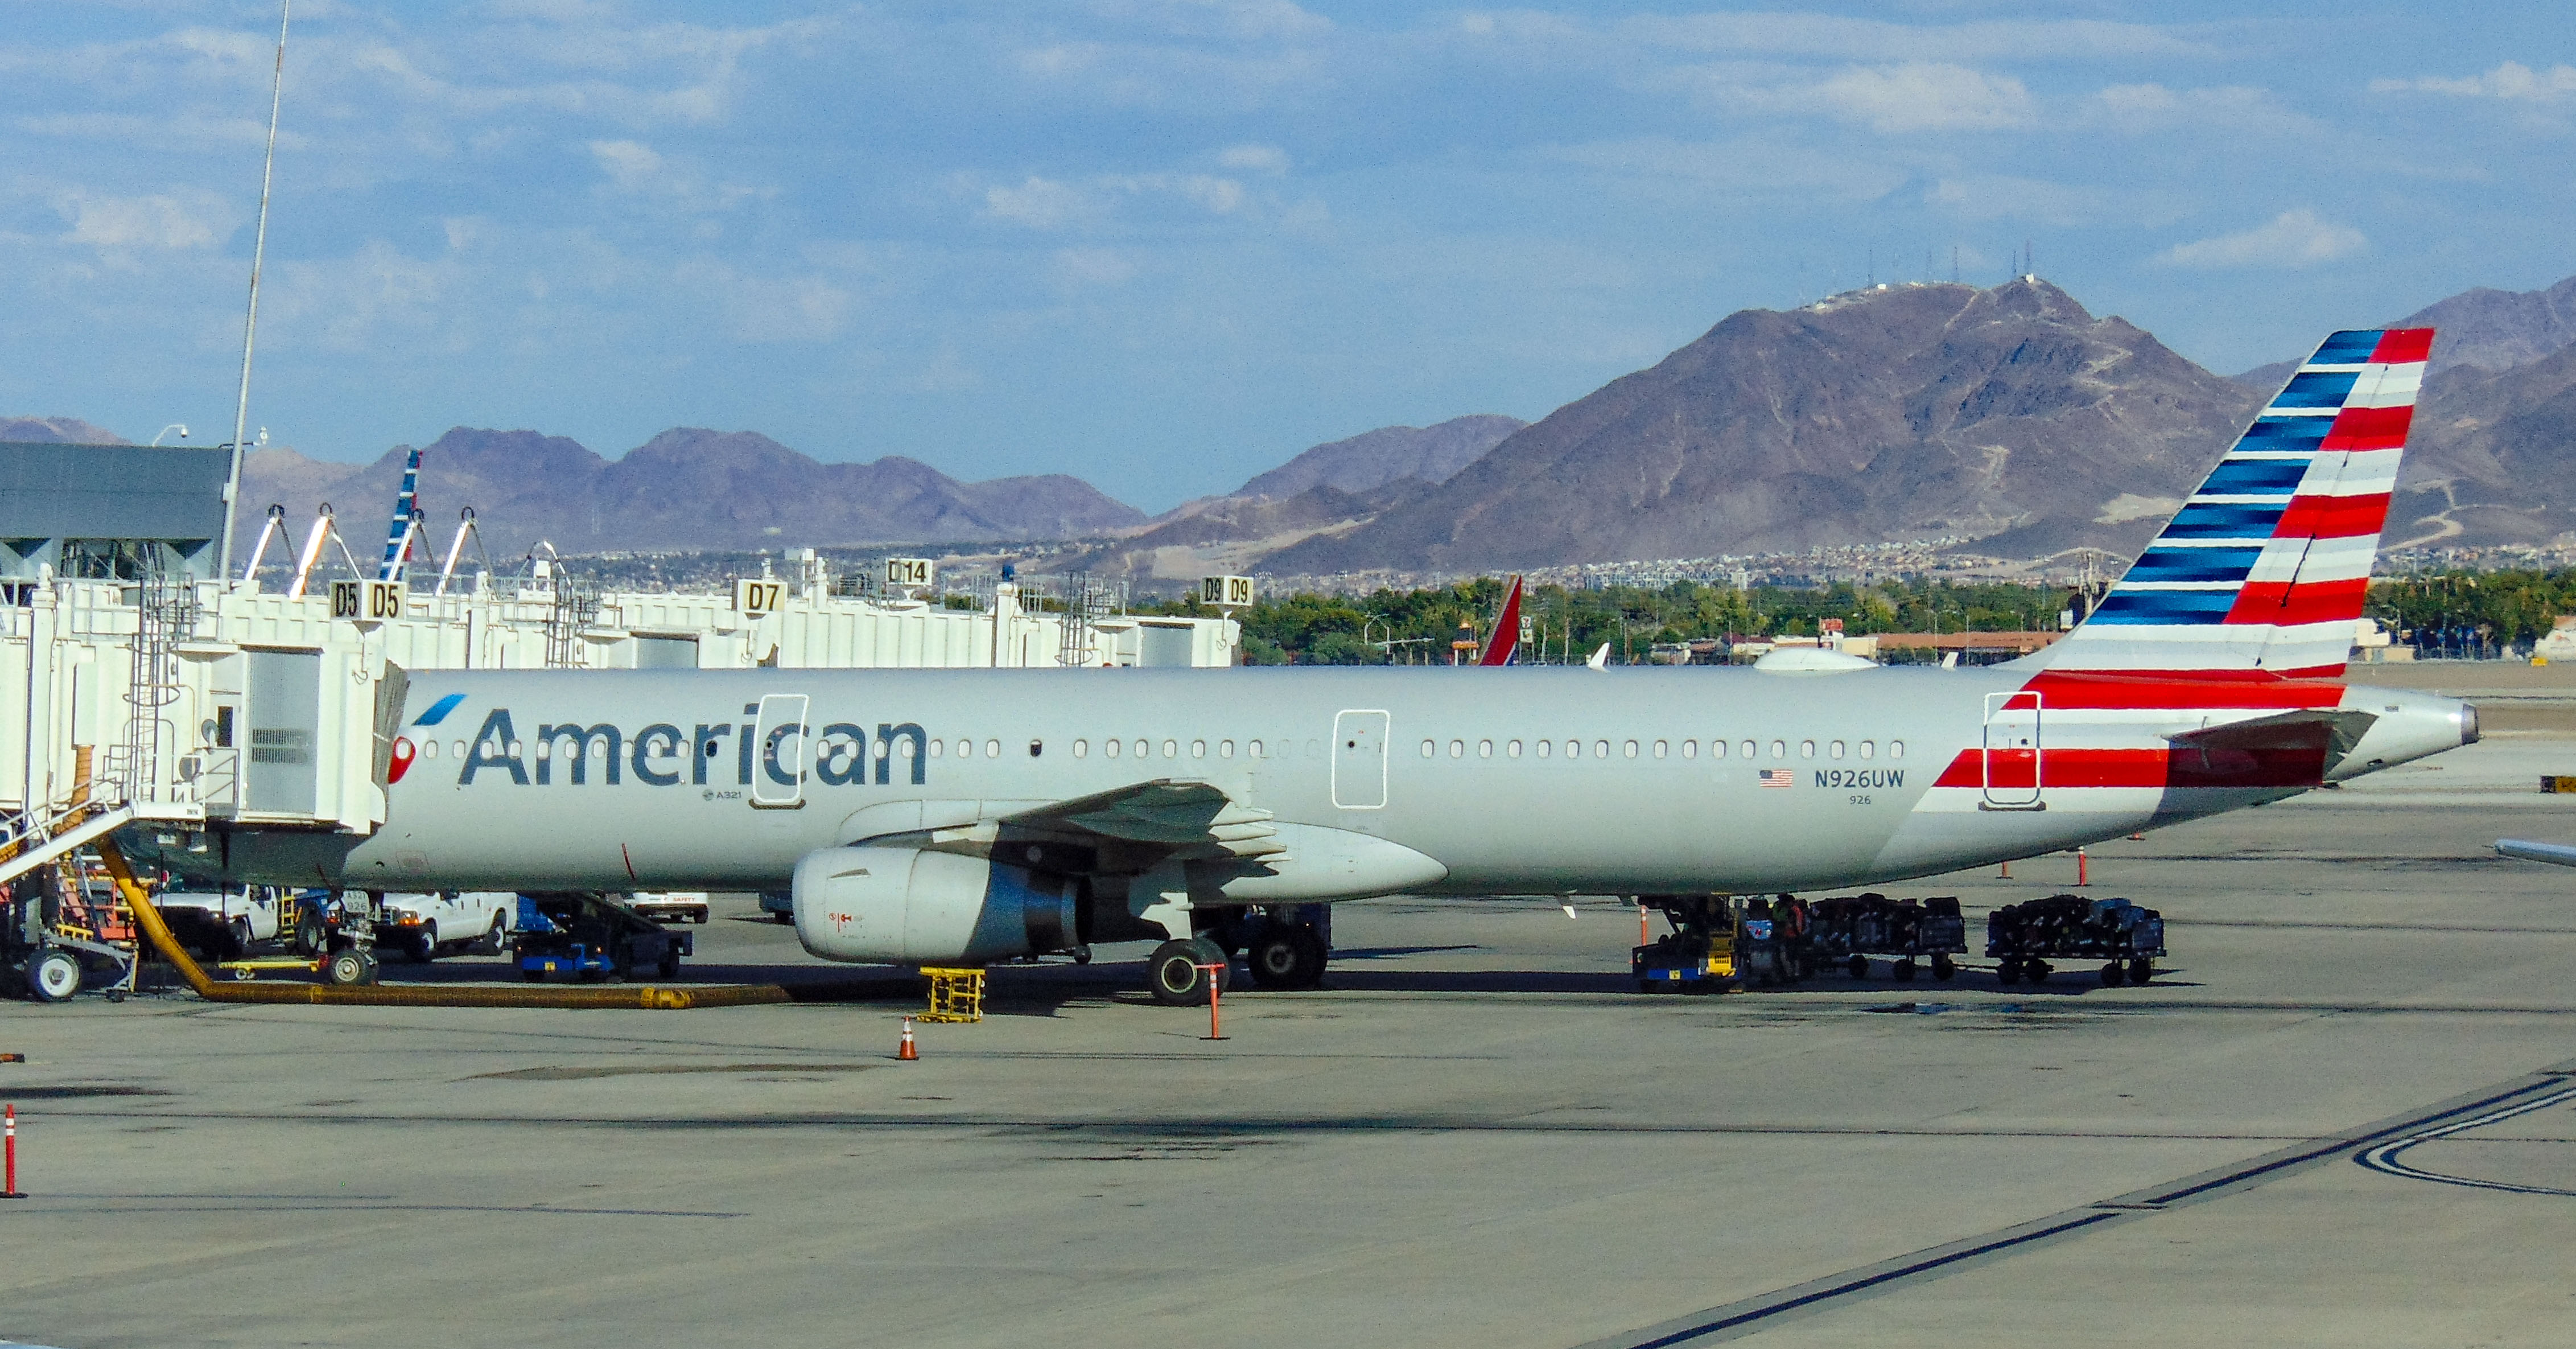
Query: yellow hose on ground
409,995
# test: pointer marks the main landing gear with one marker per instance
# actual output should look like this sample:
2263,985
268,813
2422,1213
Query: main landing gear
1285,948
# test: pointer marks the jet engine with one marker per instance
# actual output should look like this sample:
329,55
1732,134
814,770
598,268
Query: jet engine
907,905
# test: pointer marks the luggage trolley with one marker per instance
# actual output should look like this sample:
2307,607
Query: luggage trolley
2024,937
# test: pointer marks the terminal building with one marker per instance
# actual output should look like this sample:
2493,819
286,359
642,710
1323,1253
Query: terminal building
138,684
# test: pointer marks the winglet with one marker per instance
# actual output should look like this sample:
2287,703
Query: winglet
1600,659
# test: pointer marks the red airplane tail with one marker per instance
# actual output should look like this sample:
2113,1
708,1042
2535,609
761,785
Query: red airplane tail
1506,640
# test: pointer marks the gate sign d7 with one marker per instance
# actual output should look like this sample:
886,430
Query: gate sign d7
758,597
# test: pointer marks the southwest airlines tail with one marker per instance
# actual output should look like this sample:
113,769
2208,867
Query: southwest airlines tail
2263,571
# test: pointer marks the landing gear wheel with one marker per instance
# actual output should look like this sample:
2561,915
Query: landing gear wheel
1943,968
1287,956
53,976
348,967
2140,971
2113,976
423,947
1859,967
1173,976
1903,970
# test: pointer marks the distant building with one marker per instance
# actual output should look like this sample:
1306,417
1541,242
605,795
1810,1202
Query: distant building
109,512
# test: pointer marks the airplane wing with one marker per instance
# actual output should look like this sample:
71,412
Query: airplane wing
1173,811
2556,853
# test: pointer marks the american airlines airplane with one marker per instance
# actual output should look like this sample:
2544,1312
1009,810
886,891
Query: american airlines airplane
970,816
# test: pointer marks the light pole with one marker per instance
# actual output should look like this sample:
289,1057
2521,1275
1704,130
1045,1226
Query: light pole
180,427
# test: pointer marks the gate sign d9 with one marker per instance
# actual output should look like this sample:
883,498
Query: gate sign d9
908,573
367,601
758,598
1226,592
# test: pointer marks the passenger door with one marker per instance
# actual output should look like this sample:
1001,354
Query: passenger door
1359,760
778,783
2010,757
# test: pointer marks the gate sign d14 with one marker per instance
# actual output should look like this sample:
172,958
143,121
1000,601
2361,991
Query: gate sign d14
367,601
908,573
757,597
1226,592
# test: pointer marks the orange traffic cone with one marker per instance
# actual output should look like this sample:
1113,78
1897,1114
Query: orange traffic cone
907,1051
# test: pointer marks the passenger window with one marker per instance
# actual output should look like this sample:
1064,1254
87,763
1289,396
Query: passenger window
603,749
460,748
1225,749
1171,749
1806,749
1574,749
1690,748
1427,749
1630,749
1601,749
1198,749
1545,747
1110,748
1835,749
1457,749
1144,749
939,747
1484,749
1661,749
1513,749
1081,749
1747,749
1896,749
1253,750
429,748
992,749
1867,748
1779,749
545,749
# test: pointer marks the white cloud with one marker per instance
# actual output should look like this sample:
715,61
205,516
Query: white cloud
631,165
1831,36
2513,81
1039,203
154,221
1254,158
1090,267
2292,239
771,308
1922,96
2143,108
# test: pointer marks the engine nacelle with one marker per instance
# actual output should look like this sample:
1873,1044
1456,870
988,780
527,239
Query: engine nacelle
906,905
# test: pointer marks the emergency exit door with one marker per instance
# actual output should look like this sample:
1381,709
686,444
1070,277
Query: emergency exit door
1359,760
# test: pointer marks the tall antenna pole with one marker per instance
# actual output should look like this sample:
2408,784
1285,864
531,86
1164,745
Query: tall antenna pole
250,324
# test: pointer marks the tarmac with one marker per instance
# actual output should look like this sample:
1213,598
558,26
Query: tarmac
2345,1114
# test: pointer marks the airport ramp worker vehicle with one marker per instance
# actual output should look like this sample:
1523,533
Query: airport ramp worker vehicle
593,936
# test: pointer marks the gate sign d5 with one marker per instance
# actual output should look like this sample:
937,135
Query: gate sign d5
367,601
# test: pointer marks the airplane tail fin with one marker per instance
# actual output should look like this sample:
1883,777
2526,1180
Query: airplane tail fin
2262,573
1506,641
398,538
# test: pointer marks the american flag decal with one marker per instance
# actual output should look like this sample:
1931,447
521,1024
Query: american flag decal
1779,777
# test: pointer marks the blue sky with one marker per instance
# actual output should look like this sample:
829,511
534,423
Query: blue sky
1164,244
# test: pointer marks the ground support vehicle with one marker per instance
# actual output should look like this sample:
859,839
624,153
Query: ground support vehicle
425,925
1698,955
50,947
2023,938
329,933
226,924
1850,930
666,906
593,937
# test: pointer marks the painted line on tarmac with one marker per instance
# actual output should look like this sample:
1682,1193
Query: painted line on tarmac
2383,1158
1752,1315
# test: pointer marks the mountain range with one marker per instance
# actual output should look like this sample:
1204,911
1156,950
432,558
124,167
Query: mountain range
2007,421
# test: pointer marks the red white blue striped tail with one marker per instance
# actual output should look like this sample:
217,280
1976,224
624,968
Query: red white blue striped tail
2264,570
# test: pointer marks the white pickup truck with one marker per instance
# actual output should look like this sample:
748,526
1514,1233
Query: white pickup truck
222,923
665,906
427,925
